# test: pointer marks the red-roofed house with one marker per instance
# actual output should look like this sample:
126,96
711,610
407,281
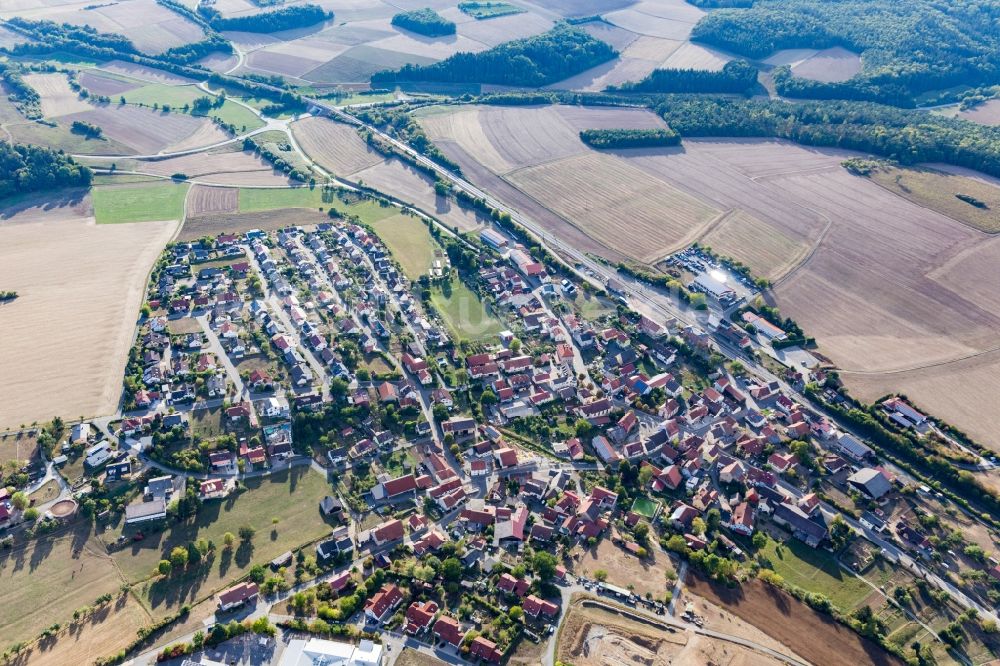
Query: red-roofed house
237,595
448,630
391,530
419,616
383,602
485,650
534,607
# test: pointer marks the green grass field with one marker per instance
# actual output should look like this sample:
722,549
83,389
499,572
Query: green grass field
253,200
464,314
139,203
410,243
816,571
177,96
646,507
290,497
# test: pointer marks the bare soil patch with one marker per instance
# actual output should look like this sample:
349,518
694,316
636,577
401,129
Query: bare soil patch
334,146
80,287
817,638
648,576
987,113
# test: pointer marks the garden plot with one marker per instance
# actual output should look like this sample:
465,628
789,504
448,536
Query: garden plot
91,280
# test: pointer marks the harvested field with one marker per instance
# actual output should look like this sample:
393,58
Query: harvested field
357,64
410,243
219,62
987,113
696,56
594,636
436,48
207,134
829,65
816,637
496,31
599,193
58,99
617,37
767,250
647,576
214,224
143,130
414,187
211,200
583,7
234,167
91,279
151,27
143,73
334,146
655,26
44,581
637,60
937,190
99,83
280,63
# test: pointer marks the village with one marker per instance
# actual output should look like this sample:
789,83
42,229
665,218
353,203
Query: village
474,486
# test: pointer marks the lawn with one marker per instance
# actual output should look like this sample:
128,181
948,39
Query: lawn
291,497
139,203
591,306
254,200
646,507
816,571
410,243
177,96
45,581
464,313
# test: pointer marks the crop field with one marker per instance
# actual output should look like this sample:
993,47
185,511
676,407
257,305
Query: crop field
767,250
145,131
45,581
100,82
465,315
143,73
695,56
151,27
212,200
640,56
57,98
414,187
616,204
291,497
334,146
829,65
61,138
214,224
410,243
80,287
225,166
673,22
139,202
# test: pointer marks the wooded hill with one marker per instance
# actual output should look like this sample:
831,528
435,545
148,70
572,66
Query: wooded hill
27,168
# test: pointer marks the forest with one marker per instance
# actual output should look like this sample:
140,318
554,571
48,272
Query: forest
533,61
629,138
904,135
424,22
737,76
27,168
907,47
286,18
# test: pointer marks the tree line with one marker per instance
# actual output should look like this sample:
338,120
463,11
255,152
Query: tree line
629,138
904,135
28,168
532,61
737,76
286,18
425,22
907,48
